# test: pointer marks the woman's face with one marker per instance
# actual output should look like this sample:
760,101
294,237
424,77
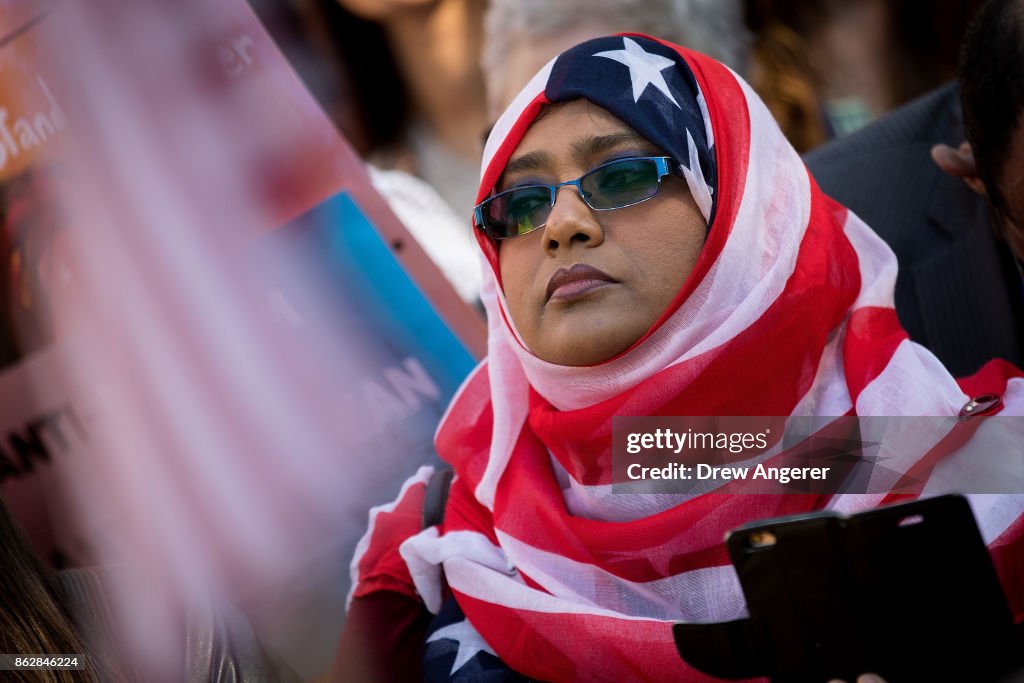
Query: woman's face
627,264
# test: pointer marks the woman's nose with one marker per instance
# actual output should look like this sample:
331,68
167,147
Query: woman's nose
571,221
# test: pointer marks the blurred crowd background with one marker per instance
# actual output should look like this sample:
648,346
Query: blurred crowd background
415,84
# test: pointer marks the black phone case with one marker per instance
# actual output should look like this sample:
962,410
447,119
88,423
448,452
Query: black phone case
906,591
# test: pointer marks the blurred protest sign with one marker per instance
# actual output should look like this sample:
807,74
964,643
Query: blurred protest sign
31,395
221,346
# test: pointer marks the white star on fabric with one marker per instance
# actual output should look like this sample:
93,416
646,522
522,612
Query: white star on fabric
470,642
644,68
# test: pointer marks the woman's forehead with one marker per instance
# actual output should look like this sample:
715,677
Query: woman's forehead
578,128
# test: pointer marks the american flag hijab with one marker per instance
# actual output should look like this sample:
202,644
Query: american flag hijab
788,312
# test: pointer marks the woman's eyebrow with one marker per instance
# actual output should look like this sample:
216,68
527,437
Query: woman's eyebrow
581,150
587,149
532,161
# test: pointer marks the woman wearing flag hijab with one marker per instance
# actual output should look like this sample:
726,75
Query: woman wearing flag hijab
654,246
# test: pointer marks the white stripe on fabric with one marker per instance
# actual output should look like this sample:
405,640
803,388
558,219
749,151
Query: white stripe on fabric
511,591
995,513
828,397
600,502
476,567
508,119
708,594
877,264
985,464
850,503
425,552
510,405
694,176
709,131
914,382
421,477
1013,398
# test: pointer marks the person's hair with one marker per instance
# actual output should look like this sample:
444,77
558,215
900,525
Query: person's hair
992,89
714,27
924,36
787,80
31,618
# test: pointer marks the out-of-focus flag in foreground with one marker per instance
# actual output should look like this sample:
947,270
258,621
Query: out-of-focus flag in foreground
221,348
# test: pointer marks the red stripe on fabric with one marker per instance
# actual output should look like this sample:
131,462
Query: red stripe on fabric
546,646
826,280
464,435
381,566
530,581
872,337
1007,552
465,513
990,379
474,390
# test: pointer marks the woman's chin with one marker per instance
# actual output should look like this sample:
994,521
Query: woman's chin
585,345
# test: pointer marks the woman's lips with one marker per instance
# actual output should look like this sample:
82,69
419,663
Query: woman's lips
574,282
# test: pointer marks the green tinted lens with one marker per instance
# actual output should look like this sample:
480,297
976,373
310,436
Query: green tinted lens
517,211
621,183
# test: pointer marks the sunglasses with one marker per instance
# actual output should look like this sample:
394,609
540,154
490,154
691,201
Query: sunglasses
615,185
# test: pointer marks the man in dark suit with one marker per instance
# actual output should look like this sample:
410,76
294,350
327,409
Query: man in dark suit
959,289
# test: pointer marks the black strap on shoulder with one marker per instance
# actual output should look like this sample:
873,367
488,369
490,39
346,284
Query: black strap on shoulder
437,496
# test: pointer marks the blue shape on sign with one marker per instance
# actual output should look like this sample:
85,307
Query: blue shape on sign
395,354
406,317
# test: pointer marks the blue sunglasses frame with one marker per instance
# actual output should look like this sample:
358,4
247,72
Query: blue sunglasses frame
664,166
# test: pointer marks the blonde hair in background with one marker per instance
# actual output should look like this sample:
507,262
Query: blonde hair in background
783,75
714,27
